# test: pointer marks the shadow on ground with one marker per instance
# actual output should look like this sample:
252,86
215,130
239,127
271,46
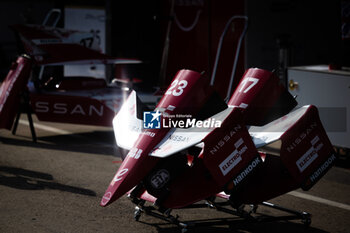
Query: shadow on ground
95,142
31,180
230,225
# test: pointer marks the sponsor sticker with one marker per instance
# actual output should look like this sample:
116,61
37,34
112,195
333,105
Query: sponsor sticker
238,179
160,179
310,155
234,158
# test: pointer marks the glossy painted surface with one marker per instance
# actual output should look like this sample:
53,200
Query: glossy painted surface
12,88
227,158
184,96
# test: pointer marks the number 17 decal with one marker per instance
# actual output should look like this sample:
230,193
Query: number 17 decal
244,83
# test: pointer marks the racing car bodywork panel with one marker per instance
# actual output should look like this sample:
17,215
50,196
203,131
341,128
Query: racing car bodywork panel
179,98
176,167
11,90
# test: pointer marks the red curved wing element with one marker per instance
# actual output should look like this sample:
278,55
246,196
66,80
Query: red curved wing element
11,88
262,96
179,98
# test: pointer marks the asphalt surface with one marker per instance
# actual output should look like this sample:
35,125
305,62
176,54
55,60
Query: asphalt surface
56,184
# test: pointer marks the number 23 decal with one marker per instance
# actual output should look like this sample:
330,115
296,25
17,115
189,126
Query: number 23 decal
177,88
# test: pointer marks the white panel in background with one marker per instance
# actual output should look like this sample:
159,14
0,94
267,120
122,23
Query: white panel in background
88,20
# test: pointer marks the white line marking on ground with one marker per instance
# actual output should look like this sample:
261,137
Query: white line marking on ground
319,200
45,127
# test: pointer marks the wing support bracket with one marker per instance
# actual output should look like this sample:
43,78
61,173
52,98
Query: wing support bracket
25,108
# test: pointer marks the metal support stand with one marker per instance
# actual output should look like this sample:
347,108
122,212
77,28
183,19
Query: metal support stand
166,216
25,108
303,216
220,206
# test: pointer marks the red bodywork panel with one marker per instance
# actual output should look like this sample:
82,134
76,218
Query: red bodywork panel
228,159
188,92
48,45
72,109
228,151
258,92
306,155
305,148
11,89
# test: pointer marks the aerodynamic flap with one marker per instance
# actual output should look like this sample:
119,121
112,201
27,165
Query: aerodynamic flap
179,139
264,135
127,127
229,152
58,46
262,97
306,151
11,88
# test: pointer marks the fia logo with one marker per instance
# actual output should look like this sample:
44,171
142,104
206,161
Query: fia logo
151,120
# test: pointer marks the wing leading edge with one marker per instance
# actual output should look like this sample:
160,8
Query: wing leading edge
128,127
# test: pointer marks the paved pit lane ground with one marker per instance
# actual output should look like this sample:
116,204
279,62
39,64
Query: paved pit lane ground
56,184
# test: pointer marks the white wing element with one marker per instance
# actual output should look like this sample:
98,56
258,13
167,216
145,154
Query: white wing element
179,139
127,127
264,135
